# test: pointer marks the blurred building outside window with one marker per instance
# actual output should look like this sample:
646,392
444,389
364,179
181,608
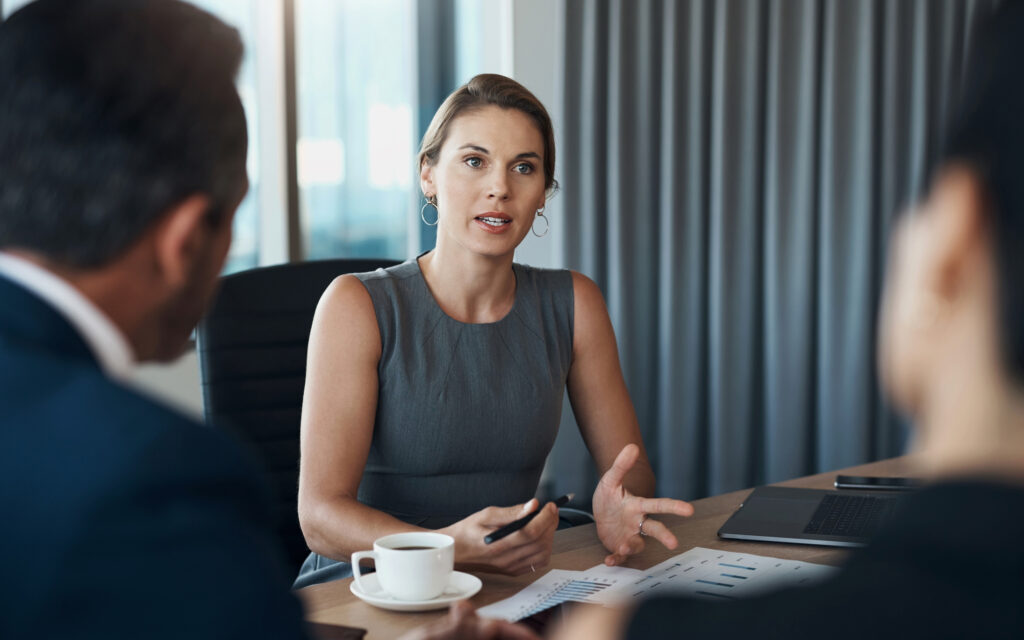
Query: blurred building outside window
241,14
355,81
358,101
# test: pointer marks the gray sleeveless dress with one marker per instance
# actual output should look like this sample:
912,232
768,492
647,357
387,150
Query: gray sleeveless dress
466,413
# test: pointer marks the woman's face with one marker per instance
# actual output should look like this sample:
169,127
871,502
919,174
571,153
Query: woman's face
488,179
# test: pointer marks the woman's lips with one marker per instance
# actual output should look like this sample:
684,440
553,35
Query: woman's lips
493,223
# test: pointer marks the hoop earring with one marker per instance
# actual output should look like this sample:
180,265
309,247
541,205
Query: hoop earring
547,225
431,201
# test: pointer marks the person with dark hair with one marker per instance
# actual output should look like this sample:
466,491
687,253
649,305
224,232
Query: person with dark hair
434,388
951,355
122,161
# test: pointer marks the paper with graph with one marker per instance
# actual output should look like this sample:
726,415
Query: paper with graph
700,573
558,586
722,575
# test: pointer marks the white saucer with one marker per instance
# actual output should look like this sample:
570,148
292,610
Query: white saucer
461,586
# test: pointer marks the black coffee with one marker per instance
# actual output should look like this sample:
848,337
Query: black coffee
411,548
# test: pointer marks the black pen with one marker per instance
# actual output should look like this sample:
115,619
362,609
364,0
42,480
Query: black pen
516,525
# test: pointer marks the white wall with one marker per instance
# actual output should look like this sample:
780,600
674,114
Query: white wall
177,384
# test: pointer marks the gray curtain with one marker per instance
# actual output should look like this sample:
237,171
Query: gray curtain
730,170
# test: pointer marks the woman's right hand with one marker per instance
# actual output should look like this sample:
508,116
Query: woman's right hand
515,554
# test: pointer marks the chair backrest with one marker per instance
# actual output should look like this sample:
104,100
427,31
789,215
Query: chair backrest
252,359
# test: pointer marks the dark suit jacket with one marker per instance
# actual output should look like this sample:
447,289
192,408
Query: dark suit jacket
949,565
120,518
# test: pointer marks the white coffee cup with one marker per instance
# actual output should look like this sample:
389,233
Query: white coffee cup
410,566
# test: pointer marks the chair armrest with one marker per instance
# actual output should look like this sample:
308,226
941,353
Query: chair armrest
570,517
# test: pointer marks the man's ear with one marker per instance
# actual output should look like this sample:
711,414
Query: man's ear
179,238
959,228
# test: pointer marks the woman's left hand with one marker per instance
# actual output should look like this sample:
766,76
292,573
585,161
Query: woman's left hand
623,519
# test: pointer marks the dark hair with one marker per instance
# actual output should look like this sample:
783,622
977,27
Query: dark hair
111,112
490,89
988,135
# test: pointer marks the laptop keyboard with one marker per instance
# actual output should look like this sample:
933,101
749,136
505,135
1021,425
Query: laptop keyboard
853,516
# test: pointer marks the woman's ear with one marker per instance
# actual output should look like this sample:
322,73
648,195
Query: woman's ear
427,185
179,239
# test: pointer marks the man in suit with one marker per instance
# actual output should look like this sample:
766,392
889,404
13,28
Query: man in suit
122,161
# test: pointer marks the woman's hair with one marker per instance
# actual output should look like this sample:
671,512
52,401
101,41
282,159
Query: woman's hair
490,89
988,135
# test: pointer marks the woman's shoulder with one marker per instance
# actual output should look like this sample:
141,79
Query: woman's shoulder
587,295
583,286
377,285
382,292
399,271
544,277
573,282
345,295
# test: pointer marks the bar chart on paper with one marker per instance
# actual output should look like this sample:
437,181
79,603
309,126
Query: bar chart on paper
720,575
700,573
570,591
554,588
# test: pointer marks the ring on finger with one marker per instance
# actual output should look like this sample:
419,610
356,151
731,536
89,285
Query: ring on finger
643,518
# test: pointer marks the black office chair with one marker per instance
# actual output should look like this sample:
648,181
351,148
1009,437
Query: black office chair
252,359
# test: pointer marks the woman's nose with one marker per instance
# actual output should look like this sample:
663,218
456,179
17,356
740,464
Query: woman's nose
499,186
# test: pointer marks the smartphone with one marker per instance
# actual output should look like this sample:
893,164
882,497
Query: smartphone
877,483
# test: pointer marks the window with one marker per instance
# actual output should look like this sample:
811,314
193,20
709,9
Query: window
369,75
245,241
356,140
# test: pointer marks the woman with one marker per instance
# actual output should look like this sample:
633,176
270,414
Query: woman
434,388
951,563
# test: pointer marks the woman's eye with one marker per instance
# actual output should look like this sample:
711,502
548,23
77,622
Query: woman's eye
523,168
474,162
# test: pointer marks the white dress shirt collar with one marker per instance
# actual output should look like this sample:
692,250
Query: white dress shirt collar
105,340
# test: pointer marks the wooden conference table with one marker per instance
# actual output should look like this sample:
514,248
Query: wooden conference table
578,548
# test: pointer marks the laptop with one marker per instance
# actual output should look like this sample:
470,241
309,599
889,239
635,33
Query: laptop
810,516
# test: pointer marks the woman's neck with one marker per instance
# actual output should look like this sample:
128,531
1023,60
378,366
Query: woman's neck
470,288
